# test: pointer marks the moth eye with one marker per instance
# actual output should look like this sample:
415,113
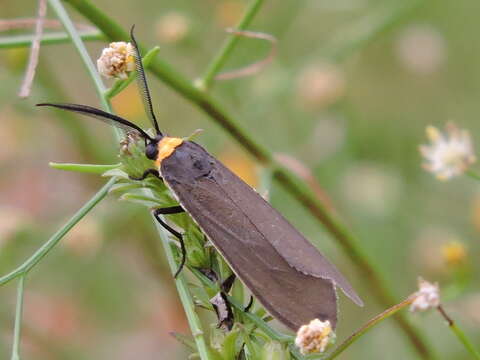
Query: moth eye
151,151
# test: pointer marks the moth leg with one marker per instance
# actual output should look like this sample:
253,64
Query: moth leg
228,283
153,172
249,306
167,211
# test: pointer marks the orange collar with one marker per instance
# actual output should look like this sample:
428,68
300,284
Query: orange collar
166,147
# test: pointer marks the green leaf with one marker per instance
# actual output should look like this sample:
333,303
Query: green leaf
116,173
225,343
229,346
124,187
140,199
186,340
273,350
201,296
214,354
84,168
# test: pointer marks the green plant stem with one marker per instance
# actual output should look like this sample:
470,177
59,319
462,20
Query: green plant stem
259,322
185,297
84,168
350,246
164,71
103,95
78,131
87,61
82,51
459,333
273,334
464,340
17,41
220,59
18,320
370,324
50,244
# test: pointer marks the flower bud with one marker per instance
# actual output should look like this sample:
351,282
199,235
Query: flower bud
117,60
314,337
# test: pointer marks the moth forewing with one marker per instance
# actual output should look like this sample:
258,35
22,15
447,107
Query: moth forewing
211,194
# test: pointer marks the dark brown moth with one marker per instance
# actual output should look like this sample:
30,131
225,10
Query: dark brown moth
282,269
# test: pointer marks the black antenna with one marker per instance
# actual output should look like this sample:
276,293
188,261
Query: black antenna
142,84
103,116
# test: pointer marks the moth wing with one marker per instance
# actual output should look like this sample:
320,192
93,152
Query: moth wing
285,238
293,297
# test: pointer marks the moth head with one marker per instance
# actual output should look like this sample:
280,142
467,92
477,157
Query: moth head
151,150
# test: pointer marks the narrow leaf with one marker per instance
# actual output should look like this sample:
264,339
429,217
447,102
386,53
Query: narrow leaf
84,168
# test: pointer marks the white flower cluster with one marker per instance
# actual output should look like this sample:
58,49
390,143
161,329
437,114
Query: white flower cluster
428,296
449,154
314,337
117,60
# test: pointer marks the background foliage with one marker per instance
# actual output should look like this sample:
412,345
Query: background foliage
356,123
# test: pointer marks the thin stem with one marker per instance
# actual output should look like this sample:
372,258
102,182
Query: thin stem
164,71
84,168
185,297
18,320
220,59
50,244
351,247
82,51
259,322
34,51
80,136
29,23
272,333
87,61
182,288
370,324
17,41
255,67
459,333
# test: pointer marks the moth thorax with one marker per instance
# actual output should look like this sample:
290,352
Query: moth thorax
166,147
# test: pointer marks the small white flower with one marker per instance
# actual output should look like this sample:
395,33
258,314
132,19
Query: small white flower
117,60
314,337
428,296
449,154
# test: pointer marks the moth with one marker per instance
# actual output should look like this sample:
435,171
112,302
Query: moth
282,269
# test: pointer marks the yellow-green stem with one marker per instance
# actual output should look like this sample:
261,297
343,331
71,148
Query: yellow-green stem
187,301
370,324
459,333
18,319
50,244
184,294
17,41
221,58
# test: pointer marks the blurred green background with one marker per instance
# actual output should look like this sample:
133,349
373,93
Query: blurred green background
352,112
